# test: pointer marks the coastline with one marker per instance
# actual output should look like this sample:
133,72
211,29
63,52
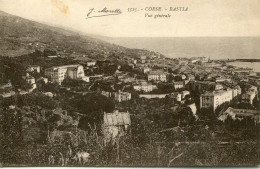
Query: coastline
254,66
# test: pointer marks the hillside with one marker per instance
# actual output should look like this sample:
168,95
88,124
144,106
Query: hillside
20,36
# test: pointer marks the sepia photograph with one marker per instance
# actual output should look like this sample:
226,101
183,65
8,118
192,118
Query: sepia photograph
129,83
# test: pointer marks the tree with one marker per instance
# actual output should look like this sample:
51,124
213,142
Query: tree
24,85
244,106
92,106
170,78
73,82
36,74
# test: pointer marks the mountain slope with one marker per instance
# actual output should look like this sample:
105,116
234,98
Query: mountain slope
20,36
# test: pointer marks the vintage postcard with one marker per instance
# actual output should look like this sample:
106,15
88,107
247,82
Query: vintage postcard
129,83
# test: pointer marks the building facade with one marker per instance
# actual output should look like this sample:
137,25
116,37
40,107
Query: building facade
57,74
157,76
215,98
92,63
122,96
178,85
146,87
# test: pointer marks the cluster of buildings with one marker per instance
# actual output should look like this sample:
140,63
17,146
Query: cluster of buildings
200,75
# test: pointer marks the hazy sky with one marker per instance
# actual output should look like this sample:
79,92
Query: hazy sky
203,18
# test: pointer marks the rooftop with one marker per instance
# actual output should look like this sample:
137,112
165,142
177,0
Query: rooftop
64,66
214,93
242,111
157,72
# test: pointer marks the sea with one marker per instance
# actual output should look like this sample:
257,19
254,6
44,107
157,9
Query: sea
179,47
253,65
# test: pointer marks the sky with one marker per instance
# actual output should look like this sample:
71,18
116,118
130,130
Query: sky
208,18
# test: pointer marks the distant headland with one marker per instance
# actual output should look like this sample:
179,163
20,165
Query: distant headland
248,60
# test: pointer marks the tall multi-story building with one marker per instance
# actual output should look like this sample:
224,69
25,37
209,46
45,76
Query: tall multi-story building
216,98
58,73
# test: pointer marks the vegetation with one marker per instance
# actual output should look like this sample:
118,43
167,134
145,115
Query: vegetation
147,143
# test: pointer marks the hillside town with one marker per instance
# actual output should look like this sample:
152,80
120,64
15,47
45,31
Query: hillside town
196,88
200,81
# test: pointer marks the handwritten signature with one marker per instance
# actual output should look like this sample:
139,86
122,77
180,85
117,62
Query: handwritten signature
104,12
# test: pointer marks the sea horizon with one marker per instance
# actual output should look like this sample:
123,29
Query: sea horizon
187,47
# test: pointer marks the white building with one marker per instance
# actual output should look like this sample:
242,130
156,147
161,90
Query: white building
178,85
86,79
92,63
146,87
146,69
215,98
122,96
52,56
157,76
58,73
183,76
